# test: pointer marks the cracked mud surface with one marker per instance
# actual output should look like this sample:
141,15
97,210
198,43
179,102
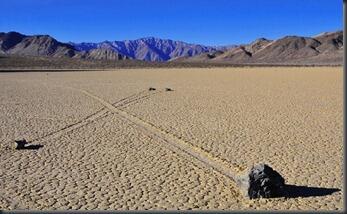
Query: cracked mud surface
110,144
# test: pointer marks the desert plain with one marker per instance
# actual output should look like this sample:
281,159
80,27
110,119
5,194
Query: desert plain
109,143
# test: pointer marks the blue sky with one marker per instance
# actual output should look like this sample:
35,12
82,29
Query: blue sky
209,22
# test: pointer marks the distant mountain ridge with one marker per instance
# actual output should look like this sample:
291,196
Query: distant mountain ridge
40,45
325,48
149,48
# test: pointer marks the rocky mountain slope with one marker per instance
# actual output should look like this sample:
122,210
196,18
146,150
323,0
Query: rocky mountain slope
326,48
14,43
40,45
104,54
149,49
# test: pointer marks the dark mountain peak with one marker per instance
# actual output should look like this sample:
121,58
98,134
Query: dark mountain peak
259,42
262,39
10,39
12,34
42,38
257,45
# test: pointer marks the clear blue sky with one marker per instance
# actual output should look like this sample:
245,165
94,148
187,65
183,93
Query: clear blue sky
209,22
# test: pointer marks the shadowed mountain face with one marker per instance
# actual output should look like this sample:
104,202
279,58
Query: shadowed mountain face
9,40
149,49
322,49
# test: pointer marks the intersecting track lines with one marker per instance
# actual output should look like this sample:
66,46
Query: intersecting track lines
134,98
169,140
180,146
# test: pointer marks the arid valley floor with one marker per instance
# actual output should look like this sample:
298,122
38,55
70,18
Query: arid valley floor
111,144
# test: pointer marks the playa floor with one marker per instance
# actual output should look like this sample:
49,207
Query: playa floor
109,143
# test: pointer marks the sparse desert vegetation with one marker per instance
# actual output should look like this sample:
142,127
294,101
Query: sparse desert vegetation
110,143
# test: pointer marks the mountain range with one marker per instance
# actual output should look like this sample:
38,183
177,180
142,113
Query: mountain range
325,48
149,49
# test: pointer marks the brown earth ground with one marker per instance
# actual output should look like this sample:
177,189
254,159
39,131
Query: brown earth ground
110,144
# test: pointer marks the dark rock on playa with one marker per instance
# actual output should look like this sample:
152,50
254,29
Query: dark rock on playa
20,144
261,181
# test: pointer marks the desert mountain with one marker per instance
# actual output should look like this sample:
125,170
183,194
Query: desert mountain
199,58
257,45
40,45
14,43
149,49
103,53
325,48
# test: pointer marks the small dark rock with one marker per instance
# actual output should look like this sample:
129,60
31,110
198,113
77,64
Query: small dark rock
20,144
151,89
23,145
168,89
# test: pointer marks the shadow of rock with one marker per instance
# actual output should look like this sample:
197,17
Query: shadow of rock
33,147
293,191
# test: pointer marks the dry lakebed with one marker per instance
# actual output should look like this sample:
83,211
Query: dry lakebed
101,140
